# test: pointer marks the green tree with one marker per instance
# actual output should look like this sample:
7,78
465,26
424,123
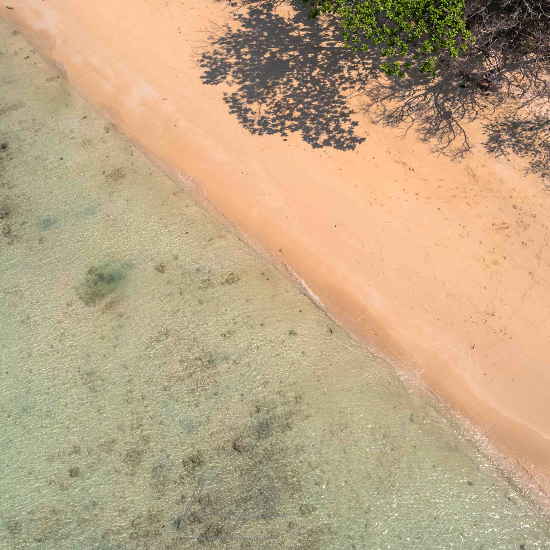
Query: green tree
414,31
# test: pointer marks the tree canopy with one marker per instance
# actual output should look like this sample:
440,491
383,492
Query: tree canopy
416,33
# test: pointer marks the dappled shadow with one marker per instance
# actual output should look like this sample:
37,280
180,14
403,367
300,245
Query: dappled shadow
527,136
437,109
286,74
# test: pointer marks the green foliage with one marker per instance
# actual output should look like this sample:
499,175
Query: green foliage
417,31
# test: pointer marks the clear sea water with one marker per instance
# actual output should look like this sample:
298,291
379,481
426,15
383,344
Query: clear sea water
163,386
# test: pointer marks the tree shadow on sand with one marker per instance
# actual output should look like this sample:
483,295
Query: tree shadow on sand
286,74
438,110
527,136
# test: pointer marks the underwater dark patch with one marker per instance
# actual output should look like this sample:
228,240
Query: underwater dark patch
99,282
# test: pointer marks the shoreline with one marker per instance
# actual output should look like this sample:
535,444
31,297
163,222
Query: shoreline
371,275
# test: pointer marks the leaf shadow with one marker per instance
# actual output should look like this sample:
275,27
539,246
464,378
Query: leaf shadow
285,74
525,135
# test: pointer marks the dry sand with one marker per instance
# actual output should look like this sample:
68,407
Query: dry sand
442,266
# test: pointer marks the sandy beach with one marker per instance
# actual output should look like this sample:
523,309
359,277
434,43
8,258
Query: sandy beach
438,263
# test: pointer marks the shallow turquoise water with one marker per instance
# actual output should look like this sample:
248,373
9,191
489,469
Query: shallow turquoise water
163,386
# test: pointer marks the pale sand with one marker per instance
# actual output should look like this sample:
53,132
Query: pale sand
441,266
